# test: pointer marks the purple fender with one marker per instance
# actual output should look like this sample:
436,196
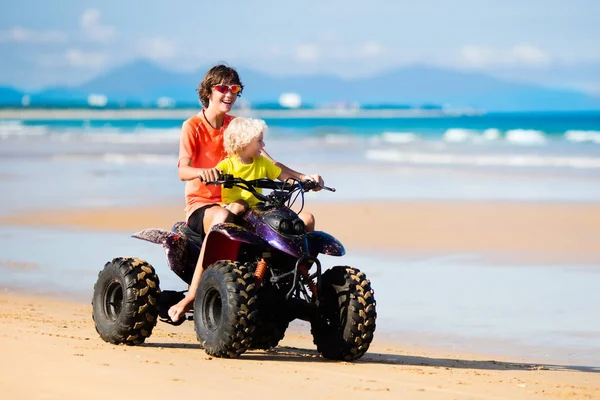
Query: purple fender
182,254
237,233
324,243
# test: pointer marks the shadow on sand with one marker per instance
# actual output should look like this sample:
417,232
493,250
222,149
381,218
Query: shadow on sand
294,354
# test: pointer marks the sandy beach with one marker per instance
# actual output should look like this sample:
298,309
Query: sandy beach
51,351
52,342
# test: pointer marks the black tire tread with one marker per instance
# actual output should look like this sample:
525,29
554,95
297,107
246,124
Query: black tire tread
357,335
140,308
241,288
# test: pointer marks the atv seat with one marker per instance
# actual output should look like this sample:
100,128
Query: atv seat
186,232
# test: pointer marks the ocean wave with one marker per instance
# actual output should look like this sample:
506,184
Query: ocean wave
139,136
116,158
120,158
525,136
458,135
15,128
509,160
582,136
491,134
105,134
398,137
336,139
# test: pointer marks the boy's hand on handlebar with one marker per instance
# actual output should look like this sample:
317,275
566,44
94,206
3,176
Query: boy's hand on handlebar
316,178
209,175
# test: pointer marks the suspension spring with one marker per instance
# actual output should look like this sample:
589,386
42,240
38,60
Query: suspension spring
259,273
311,284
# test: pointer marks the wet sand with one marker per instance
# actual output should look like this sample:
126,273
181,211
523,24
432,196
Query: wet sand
532,232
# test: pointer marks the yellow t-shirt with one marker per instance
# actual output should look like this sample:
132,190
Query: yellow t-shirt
261,167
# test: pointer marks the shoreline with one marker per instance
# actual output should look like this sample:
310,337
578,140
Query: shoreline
184,113
537,232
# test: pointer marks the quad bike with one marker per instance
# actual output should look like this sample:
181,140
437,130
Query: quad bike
260,274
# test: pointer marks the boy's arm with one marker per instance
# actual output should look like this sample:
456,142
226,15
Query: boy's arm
284,175
188,146
287,172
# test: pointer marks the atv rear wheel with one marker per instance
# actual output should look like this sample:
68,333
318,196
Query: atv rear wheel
225,309
345,328
125,301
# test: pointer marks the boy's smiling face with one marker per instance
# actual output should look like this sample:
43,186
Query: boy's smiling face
253,149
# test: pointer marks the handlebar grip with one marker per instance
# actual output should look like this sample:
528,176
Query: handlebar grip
310,185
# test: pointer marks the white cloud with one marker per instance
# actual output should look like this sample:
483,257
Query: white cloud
307,53
371,49
94,29
157,48
311,53
84,59
73,58
520,55
530,55
477,56
18,34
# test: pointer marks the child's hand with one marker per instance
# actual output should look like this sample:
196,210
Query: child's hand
317,178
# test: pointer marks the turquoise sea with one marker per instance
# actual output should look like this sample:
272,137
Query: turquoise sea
525,157
458,301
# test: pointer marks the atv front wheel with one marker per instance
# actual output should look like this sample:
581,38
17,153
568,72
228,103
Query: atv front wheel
225,309
125,301
346,325
271,320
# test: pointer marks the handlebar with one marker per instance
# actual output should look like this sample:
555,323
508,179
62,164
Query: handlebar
282,191
229,181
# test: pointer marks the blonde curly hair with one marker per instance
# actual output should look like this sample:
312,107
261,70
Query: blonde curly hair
240,133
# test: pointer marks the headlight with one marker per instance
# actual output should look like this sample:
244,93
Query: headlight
284,226
299,227
285,222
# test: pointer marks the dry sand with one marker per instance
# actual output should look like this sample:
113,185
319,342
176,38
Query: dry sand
50,350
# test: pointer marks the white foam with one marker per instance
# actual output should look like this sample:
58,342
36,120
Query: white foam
399,137
457,135
15,128
525,137
339,139
491,134
509,160
149,136
118,158
583,136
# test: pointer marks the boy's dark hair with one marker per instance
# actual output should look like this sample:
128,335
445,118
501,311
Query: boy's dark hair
218,74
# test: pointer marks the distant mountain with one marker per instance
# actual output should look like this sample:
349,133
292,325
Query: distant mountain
144,82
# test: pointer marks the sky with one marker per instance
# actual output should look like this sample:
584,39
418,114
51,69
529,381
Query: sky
553,43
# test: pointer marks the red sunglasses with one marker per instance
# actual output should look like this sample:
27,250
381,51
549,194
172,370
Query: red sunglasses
235,89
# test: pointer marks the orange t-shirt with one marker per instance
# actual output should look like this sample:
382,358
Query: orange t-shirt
204,146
